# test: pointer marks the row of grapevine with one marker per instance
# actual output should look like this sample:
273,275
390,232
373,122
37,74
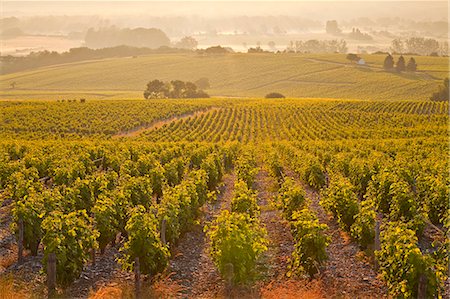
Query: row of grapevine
310,240
131,188
237,237
47,119
362,187
297,122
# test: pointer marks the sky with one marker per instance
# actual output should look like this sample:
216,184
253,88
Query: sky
319,9
224,1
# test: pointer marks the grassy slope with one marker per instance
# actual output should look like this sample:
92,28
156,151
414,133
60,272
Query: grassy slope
295,75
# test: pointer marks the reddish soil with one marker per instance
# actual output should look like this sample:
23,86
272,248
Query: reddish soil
191,265
348,272
275,283
8,244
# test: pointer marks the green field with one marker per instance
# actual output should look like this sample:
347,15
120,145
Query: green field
232,75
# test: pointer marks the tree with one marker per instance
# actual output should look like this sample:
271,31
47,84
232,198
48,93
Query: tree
13,85
178,89
155,89
388,62
400,64
353,57
412,65
422,46
187,42
397,46
203,83
216,50
442,94
275,95
332,27
174,89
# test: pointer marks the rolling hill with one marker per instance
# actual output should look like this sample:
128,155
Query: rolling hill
231,75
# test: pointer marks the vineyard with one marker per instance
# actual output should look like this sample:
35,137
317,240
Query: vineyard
237,74
224,198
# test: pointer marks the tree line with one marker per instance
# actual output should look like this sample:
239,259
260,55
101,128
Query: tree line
175,89
419,46
389,64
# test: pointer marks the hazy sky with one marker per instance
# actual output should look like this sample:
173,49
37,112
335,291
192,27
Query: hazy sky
319,9
227,1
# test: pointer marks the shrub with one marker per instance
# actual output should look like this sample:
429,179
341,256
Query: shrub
245,168
363,230
213,168
236,239
275,167
404,205
144,242
291,197
199,179
106,220
437,200
244,200
402,263
70,237
138,191
274,95
379,190
29,209
341,201
311,242
315,176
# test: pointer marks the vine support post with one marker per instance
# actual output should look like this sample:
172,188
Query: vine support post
93,256
377,245
51,275
137,278
229,276
422,287
163,231
20,242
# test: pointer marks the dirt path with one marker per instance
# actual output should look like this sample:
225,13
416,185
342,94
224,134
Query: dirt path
191,265
276,283
8,244
158,124
347,273
281,242
105,272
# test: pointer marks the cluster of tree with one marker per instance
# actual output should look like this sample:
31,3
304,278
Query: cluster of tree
138,37
401,66
318,46
257,49
333,28
442,95
43,58
358,35
420,46
187,42
216,50
275,95
176,89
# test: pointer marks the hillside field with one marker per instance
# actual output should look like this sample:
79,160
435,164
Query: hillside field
299,185
231,75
